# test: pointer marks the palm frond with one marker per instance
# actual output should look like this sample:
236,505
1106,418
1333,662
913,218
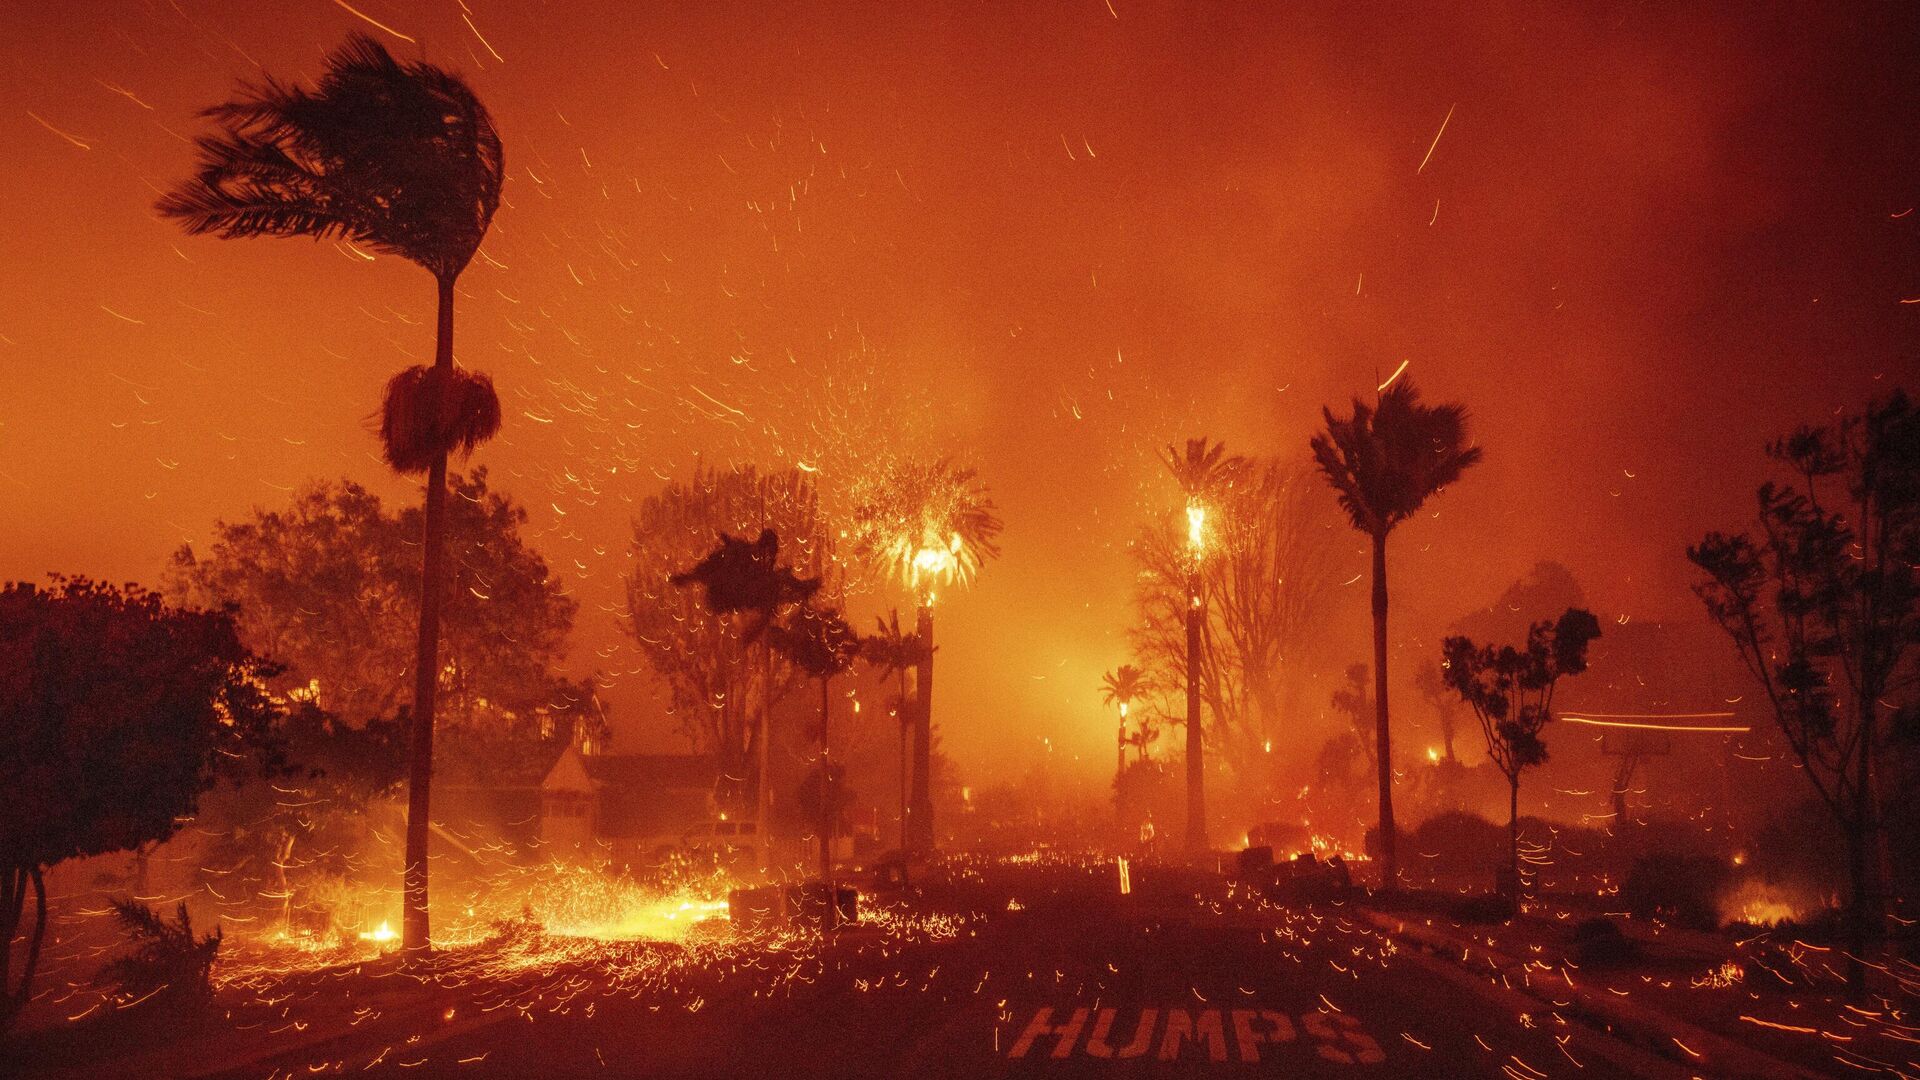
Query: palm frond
925,522
1385,460
400,157
430,412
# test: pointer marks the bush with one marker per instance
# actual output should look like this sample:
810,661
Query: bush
1600,942
169,967
1483,909
1681,889
1461,844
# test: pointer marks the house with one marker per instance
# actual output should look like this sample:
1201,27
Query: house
627,807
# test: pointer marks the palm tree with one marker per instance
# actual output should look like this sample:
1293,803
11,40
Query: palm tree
741,577
404,159
925,525
1201,470
1384,462
894,651
819,642
1121,687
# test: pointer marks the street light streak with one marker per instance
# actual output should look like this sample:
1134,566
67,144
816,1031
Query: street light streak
1638,722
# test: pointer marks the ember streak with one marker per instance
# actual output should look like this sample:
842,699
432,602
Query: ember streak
561,425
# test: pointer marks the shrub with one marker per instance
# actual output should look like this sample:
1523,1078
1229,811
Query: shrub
1483,909
1460,844
1681,889
1601,943
168,967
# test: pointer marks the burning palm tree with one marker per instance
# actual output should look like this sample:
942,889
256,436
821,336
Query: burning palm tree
404,159
1384,462
926,526
1121,687
1202,470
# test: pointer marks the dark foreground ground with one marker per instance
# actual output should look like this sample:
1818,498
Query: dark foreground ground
1045,970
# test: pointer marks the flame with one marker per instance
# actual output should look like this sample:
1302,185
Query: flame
1761,903
382,933
1196,526
933,563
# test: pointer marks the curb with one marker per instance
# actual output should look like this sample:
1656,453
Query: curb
1725,1056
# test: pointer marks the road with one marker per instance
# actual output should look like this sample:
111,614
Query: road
1054,975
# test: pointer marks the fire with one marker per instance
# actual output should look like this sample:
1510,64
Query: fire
933,563
380,934
1761,903
670,918
1196,526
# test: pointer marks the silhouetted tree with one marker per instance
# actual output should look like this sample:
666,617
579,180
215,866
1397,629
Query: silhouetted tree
925,525
896,652
327,587
699,656
1203,470
116,713
1353,702
1824,607
1266,584
1384,462
1120,688
1511,693
820,643
405,159
744,578
290,839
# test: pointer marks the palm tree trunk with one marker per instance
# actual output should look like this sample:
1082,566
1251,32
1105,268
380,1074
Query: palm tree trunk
905,720
826,812
426,661
763,785
920,812
1383,746
1196,772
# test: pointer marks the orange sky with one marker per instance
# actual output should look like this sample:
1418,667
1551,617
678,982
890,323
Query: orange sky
1042,237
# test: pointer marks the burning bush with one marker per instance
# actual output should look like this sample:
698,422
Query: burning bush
1760,903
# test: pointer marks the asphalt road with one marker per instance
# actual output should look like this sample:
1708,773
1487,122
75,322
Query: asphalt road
1057,975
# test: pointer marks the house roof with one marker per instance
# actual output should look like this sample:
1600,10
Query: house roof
640,794
653,770
588,773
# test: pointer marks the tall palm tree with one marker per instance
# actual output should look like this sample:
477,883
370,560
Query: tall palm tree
895,652
1203,470
744,577
819,642
926,525
1384,462
404,159
1121,687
